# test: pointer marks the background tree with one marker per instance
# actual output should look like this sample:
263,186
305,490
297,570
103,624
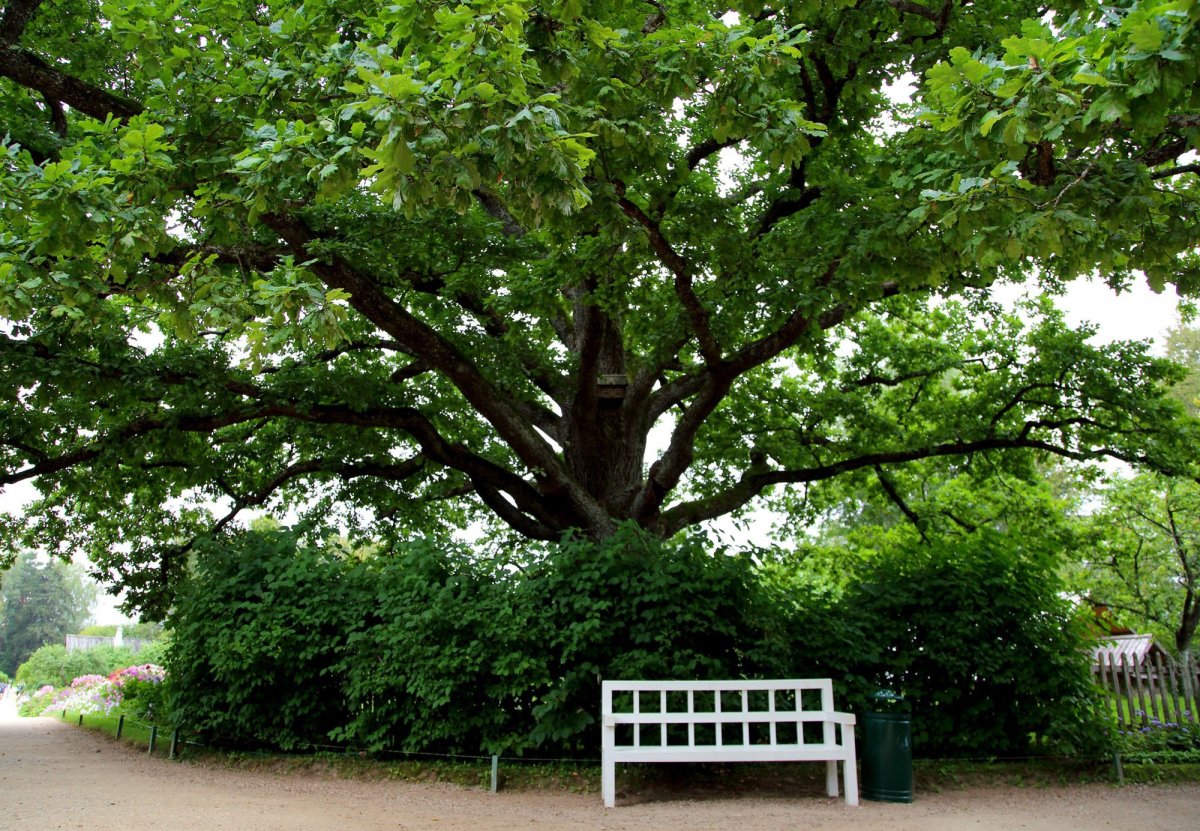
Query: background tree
1142,558
1183,347
43,602
423,263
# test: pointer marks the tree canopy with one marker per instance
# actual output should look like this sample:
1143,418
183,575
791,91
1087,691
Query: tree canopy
561,264
40,603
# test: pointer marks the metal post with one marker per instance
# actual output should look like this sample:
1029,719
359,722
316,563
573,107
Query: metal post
174,741
120,725
153,740
495,772
1120,773
81,719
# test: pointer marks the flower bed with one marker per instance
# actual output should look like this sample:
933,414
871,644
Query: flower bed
134,690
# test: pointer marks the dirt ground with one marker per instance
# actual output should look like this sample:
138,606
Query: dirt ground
57,776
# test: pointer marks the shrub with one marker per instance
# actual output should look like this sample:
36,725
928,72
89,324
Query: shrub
257,634
88,694
156,651
432,649
37,702
975,634
142,693
55,666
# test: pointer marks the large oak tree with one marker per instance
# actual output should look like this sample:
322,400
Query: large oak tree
563,264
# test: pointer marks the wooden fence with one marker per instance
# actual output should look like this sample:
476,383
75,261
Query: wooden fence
1151,691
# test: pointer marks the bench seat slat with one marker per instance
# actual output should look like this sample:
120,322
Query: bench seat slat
732,753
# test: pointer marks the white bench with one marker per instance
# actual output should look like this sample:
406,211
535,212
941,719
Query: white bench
786,720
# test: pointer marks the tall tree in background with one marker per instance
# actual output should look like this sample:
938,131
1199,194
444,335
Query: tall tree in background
43,601
1142,556
1183,347
1143,560
425,262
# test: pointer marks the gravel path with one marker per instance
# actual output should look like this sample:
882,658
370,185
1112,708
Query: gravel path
57,776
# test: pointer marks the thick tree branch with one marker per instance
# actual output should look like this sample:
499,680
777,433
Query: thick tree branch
707,148
1164,153
395,471
1175,171
912,7
789,203
248,257
752,484
685,291
423,341
496,208
28,70
17,14
893,493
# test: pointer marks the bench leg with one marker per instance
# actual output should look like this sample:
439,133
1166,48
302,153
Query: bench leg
608,766
608,782
831,783
850,766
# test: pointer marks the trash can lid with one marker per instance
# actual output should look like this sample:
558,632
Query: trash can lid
887,695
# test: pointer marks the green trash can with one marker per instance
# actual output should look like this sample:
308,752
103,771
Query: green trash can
887,774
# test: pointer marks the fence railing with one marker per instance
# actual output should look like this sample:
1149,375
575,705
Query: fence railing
85,642
1152,690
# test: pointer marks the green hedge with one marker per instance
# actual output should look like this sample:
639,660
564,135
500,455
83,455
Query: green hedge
429,649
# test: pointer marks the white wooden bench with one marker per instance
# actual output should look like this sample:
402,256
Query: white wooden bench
787,720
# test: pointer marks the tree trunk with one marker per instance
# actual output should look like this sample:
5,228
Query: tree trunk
604,435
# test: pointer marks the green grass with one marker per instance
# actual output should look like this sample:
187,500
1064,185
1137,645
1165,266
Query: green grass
694,781
133,731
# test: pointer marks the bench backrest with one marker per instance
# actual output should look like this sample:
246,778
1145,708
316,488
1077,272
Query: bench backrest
767,714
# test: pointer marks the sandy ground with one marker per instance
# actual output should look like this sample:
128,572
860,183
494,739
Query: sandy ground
57,776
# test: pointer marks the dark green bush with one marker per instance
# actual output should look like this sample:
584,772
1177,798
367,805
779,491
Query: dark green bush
448,658
977,637
427,649
430,649
256,637
633,607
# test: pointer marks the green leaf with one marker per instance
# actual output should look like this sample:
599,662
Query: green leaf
990,120
1146,37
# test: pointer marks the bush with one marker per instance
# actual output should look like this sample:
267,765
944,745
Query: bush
37,702
278,643
142,693
257,634
53,665
634,607
975,634
430,649
156,651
